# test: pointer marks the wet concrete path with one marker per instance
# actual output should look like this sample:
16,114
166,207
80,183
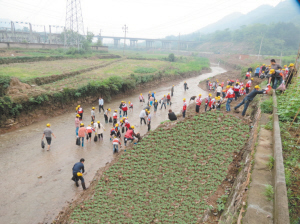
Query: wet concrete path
35,184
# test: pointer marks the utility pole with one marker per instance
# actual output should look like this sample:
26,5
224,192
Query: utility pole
178,43
260,46
125,30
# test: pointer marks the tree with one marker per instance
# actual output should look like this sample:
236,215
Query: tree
171,57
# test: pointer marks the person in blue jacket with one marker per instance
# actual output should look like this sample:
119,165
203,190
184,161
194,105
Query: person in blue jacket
247,100
78,170
257,71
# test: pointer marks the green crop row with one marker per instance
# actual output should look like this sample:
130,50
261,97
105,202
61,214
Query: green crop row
169,176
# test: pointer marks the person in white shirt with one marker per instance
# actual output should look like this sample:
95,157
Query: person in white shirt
101,104
219,90
142,116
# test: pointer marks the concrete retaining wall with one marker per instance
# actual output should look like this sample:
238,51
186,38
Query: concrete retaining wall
281,210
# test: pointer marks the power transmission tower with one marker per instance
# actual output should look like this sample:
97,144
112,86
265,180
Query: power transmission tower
74,23
125,30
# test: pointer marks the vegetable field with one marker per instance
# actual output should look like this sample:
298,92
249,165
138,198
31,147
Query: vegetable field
170,176
26,71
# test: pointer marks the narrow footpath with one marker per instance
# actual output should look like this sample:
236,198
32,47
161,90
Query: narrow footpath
36,184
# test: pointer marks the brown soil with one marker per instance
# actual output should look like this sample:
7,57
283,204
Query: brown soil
9,53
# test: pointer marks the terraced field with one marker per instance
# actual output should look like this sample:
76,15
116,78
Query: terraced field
29,70
171,176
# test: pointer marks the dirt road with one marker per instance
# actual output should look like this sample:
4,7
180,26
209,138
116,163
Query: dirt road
36,184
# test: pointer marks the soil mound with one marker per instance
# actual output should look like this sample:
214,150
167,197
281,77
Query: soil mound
16,86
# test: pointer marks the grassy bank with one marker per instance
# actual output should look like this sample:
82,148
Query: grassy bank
288,106
106,81
177,180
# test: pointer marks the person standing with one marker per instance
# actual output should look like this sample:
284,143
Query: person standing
274,65
130,106
172,90
207,100
141,98
78,170
291,73
101,104
184,106
47,133
185,86
155,105
115,117
247,100
99,130
168,99
248,85
149,120
257,71
93,114
80,112
151,99
124,108
89,130
107,115
77,123
198,103
219,90
116,142
236,90
121,108
142,116
163,102
230,95
81,133
275,75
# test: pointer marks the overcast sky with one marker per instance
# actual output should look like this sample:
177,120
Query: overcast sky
144,18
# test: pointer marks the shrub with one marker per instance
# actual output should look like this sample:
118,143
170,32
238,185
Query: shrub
171,57
4,84
271,162
267,106
269,192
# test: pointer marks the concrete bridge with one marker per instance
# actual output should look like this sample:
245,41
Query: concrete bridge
165,44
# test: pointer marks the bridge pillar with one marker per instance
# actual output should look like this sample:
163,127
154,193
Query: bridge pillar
133,43
149,43
116,42
166,44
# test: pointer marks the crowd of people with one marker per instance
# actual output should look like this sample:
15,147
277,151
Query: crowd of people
277,76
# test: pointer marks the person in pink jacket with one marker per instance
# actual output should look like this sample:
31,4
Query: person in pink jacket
77,124
82,132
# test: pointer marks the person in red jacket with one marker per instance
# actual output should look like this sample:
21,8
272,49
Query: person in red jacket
124,108
116,142
198,103
168,99
130,135
230,95
80,112
248,85
115,117
236,90
184,108
212,103
207,99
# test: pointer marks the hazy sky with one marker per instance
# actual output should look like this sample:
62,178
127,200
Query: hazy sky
144,18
